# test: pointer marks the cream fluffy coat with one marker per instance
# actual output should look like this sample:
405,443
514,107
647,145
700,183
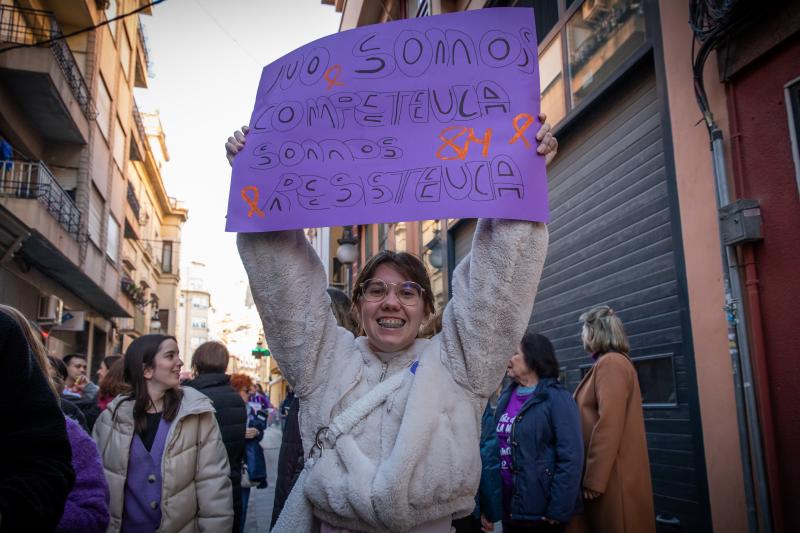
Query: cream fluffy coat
196,491
415,458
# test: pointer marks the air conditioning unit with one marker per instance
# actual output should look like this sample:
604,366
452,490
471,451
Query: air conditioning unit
594,9
50,310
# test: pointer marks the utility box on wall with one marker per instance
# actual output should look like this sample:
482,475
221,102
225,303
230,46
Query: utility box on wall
740,222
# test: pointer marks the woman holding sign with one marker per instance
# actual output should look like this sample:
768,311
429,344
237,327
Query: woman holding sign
390,422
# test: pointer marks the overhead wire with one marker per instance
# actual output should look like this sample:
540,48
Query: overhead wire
83,30
227,33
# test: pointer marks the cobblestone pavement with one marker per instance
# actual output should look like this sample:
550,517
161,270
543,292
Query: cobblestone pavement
259,512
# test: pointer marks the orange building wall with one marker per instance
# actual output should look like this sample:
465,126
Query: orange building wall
696,195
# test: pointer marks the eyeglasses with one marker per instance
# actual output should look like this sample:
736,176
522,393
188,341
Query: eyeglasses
407,292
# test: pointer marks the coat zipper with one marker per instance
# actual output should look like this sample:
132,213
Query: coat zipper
383,374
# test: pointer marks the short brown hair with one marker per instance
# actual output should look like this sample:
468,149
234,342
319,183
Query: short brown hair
210,358
408,264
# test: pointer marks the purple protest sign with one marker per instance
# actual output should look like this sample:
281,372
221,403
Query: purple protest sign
417,119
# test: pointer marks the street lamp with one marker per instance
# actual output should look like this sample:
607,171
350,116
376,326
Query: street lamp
347,254
435,248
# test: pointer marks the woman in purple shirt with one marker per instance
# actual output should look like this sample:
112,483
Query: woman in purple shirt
539,440
162,452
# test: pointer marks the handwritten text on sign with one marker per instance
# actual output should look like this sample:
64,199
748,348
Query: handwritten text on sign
417,119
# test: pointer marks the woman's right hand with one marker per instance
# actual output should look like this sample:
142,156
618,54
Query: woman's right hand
486,526
235,143
250,433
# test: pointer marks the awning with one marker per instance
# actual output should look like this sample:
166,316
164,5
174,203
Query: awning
42,254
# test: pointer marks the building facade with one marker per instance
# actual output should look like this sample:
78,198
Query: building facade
194,311
73,146
635,225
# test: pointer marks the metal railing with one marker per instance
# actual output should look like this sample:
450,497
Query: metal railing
32,27
137,118
133,201
30,180
145,44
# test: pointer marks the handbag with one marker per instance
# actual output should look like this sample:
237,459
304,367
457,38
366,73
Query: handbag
297,514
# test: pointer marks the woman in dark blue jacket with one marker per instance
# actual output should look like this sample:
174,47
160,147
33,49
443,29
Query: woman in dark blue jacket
540,443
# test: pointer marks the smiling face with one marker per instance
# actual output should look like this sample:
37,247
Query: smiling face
391,326
165,372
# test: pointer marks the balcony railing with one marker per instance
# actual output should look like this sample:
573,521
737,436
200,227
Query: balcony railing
32,27
23,179
137,118
145,44
133,201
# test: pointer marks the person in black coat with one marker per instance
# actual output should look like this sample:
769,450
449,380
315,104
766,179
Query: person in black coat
36,472
209,363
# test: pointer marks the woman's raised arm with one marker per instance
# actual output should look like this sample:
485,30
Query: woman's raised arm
289,285
493,292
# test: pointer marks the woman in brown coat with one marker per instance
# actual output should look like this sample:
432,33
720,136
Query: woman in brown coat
618,495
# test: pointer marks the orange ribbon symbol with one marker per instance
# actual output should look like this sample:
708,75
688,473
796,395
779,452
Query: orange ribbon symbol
334,71
521,129
252,201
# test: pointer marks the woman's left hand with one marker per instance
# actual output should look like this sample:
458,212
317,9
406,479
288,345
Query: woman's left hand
250,433
548,144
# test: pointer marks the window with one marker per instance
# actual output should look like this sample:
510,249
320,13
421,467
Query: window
119,143
551,82
601,35
199,302
112,240
197,341
657,380
103,108
125,54
96,208
793,111
166,257
198,324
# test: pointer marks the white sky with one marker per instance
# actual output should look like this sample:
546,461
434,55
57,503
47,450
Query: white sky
207,58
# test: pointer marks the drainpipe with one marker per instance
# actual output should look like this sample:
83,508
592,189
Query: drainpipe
759,519
758,344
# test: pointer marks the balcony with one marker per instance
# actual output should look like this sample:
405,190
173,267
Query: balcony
33,181
133,201
44,79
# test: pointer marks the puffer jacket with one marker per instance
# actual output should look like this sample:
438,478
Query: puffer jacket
196,489
547,454
408,461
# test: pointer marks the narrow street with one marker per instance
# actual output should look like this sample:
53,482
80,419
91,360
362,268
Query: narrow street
259,512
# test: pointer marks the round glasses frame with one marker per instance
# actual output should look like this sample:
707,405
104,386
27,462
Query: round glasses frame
408,302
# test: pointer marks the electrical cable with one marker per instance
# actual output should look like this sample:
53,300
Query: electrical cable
227,33
83,30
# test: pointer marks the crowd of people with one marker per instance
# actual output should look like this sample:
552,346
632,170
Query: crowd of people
401,417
